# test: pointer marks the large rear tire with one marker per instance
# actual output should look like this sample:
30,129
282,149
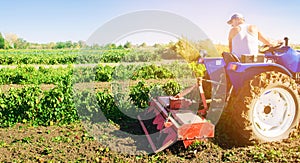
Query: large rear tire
266,109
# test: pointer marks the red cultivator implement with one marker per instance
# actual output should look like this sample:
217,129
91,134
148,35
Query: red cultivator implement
169,119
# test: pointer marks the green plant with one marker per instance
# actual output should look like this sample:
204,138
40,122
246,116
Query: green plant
26,140
107,105
142,55
104,73
61,56
2,42
152,72
139,94
171,88
198,69
57,105
19,105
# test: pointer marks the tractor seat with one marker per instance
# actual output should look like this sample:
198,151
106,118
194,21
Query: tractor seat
230,57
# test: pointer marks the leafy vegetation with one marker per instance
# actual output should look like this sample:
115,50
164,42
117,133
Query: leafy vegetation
28,74
30,104
152,72
61,56
43,124
190,50
58,104
2,42
142,55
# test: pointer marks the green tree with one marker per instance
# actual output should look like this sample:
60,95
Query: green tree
60,45
68,44
21,44
143,45
128,45
82,44
2,42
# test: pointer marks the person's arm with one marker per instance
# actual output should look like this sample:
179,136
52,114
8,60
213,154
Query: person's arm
255,31
263,39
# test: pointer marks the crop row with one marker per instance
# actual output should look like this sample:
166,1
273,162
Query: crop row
65,104
70,56
51,57
27,74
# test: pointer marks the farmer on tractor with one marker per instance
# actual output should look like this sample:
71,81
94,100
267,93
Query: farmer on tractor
243,38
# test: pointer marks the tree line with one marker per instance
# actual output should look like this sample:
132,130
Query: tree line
12,41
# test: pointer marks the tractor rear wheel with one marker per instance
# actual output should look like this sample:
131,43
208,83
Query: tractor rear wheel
266,109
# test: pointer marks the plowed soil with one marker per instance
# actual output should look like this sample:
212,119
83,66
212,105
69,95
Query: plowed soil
108,142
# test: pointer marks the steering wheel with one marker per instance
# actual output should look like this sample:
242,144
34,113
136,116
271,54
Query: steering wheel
271,49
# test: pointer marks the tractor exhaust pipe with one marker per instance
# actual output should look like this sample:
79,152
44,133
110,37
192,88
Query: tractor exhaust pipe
286,39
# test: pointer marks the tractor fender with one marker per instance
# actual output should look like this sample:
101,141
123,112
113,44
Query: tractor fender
238,73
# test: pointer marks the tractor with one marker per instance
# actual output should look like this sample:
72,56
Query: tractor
257,94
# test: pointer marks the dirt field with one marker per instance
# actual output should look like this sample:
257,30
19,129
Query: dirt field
116,143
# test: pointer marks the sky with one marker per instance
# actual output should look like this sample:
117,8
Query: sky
44,21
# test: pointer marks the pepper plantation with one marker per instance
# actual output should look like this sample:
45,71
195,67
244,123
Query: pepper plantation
80,105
